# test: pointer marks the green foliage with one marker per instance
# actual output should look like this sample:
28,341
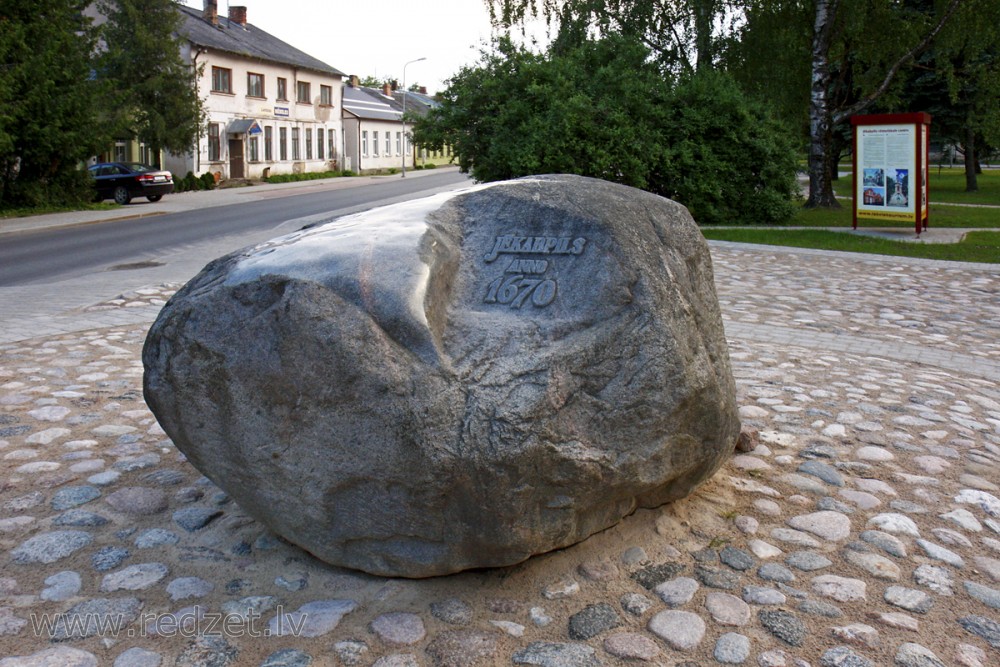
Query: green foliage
308,176
192,182
49,104
207,181
430,165
604,109
153,97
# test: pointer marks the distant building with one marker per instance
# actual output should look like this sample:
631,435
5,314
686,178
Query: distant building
373,129
271,108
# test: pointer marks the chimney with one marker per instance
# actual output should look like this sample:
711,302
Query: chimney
422,90
387,89
238,14
211,12
355,81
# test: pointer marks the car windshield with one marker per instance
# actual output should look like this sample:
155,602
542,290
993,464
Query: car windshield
139,167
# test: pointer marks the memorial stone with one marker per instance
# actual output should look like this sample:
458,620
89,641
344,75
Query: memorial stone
456,382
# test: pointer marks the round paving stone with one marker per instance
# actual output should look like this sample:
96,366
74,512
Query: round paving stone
915,655
50,547
137,500
677,592
909,599
592,621
783,625
72,496
732,649
399,628
631,646
831,526
842,656
681,630
727,609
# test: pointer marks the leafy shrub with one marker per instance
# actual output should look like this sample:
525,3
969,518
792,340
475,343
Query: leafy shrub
603,108
307,176
430,165
191,182
207,181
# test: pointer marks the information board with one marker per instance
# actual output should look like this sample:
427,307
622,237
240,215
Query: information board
890,168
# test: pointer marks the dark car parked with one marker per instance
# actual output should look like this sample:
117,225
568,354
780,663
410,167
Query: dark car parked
122,181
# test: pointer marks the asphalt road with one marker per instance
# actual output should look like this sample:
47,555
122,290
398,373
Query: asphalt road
51,255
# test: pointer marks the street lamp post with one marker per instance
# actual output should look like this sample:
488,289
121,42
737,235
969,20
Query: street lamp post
403,117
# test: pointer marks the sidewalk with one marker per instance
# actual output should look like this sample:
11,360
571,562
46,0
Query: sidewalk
187,201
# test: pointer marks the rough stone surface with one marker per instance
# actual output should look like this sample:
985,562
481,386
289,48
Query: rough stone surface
732,649
783,625
553,654
50,547
471,336
915,655
592,621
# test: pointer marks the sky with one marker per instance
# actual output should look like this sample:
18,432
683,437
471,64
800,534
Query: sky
378,37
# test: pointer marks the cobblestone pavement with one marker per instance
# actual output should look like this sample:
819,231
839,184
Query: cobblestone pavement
864,530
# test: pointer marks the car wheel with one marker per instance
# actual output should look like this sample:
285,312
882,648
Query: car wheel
122,195
154,197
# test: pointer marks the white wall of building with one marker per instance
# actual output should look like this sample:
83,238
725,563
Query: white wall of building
311,119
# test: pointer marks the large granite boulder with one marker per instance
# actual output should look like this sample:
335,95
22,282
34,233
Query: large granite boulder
457,382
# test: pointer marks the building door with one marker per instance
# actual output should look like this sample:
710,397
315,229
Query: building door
236,159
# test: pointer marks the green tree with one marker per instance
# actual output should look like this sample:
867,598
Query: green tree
957,81
154,97
49,103
604,109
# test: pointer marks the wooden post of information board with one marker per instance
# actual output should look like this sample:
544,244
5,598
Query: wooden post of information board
891,168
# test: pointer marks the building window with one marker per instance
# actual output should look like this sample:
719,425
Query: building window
375,140
304,96
255,85
214,146
222,80
268,140
282,89
295,143
329,142
309,143
326,96
253,149
388,143
399,143
319,143
364,143
283,143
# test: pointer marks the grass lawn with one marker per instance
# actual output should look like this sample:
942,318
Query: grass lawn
940,216
947,185
24,212
976,247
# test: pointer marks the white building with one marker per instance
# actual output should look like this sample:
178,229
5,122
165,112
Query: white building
271,108
373,130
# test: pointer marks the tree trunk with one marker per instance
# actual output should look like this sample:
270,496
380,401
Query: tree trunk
704,17
971,183
820,113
